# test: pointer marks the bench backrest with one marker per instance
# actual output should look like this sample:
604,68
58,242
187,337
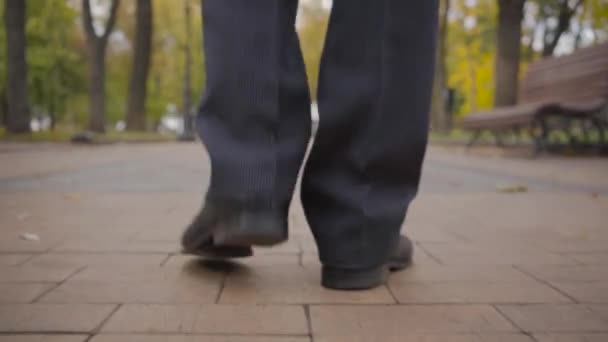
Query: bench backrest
578,77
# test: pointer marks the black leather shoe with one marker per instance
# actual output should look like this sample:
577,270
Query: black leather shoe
220,252
229,230
363,279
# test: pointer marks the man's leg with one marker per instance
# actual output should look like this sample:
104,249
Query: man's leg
374,96
254,119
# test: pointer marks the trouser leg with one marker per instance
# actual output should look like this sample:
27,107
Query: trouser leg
374,96
254,118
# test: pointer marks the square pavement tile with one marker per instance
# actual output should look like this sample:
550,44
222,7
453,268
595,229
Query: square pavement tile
96,260
594,292
209,319
591,258
430,338
291,285
480,253
193,338
572,338
601,310
541,318
43,338
139,285
22,292
263,260
455,284
457,274
39,318
113,246
310,259
570,274
13,243
25,273
390,321
13,259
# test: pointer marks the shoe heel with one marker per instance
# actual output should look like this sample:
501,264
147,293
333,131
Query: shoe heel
258,237
257,229
346,279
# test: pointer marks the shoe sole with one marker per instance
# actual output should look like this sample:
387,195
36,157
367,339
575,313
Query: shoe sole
246,234
340,279
220,252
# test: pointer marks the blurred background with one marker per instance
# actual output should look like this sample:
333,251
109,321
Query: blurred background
137,65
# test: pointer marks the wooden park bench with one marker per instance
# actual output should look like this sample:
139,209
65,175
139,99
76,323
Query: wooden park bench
559,95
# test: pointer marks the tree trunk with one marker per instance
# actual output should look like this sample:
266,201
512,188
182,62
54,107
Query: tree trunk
18,116
563,24
97,91
3,107
96,46
509,51
136,108
188,133
440,116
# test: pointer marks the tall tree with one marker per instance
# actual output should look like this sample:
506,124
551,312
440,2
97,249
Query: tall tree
136,107
510,15
96,49
565,11
18,116
188,133
440,116
56,71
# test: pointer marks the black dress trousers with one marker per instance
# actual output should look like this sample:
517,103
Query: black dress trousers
374,96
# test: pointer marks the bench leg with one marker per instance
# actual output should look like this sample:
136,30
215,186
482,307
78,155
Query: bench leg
569,130
498,139
474,138
541,138
601,129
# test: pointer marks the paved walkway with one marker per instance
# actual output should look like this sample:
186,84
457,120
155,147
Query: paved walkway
88,253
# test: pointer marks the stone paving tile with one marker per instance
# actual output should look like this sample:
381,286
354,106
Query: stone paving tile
455,284
591,258
451,274
571,338
43,338
193,338
430,338
424,232
13,259
420,258
540,318
263,260
121,227
569,274
15,244
113,246
26,273
96,259
159,235
575,245
40,318
209,319
593,292
284,284
478,253
601,310
374,321
490,293
22,292
139,285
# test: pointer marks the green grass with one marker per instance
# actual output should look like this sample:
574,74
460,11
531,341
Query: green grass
65,135
459,136
126,137
36,137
